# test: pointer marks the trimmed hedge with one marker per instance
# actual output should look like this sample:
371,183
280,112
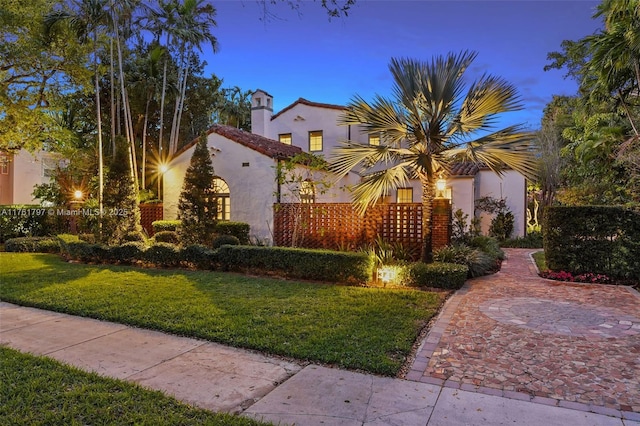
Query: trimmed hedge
163,254
200,257
166,225
596,239
167,237
240,230
449,276
222,240
32,245
323,265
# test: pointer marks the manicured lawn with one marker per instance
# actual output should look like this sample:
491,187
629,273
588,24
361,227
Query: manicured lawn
351,327
41,391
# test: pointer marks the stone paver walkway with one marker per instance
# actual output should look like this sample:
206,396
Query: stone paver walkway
516,335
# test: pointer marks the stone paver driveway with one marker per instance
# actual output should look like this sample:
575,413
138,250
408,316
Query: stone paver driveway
517,335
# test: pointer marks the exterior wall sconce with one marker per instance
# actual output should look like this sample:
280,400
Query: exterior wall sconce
441,188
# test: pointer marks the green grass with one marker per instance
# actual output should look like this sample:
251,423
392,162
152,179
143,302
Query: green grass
40,391
368,329
538,257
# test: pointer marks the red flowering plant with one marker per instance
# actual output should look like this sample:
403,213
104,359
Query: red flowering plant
581,278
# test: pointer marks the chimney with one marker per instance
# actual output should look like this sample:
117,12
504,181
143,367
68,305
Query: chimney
261,113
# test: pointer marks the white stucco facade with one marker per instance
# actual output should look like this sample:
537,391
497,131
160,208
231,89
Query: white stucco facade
248,165
510,186
303,117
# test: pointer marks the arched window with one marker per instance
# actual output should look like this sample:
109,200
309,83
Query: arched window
221,190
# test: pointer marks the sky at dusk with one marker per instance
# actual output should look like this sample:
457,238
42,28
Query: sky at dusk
304,54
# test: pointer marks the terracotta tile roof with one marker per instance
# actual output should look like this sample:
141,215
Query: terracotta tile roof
266,146
304,101
464,169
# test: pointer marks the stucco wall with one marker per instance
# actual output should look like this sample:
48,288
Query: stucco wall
302,119
462,195
249,174
28,171
511,186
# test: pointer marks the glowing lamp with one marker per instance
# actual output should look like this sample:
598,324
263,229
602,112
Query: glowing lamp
77,194
387,274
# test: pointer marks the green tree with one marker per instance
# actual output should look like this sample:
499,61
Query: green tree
197,206
431,123
122,214
37,71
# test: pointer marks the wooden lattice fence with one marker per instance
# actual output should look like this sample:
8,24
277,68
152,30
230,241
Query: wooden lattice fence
149,213
339,226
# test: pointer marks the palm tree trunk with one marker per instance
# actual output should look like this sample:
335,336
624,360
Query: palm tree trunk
428,194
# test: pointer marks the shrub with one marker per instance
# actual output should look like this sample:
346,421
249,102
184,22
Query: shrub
166,237
90,238
450,276
134,236
593,239
531,240
162,254
127,252
487,245
323,265
199,256
22,221
166,225
240,230
32,245
221,240
478,262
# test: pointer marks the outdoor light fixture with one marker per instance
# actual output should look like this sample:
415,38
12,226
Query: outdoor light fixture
441,187
162,169
387,274
77,194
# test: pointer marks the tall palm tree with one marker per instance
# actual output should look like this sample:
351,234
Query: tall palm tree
187,25
428,125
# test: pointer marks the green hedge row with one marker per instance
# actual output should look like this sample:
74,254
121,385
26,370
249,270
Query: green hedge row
449,276
597,239
320,265
32,245
292,263
239,230
323,265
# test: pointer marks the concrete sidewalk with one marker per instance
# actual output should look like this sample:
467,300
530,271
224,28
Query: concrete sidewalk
226,379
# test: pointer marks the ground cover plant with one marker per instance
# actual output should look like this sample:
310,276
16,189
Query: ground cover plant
586,278
40,391
370,329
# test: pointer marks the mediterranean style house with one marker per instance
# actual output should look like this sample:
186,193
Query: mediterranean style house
313,127
246,167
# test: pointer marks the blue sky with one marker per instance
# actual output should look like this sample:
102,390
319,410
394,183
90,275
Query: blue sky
304,54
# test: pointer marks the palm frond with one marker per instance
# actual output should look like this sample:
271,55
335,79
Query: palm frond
507,148
382,115
349,156
377,185
485,99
